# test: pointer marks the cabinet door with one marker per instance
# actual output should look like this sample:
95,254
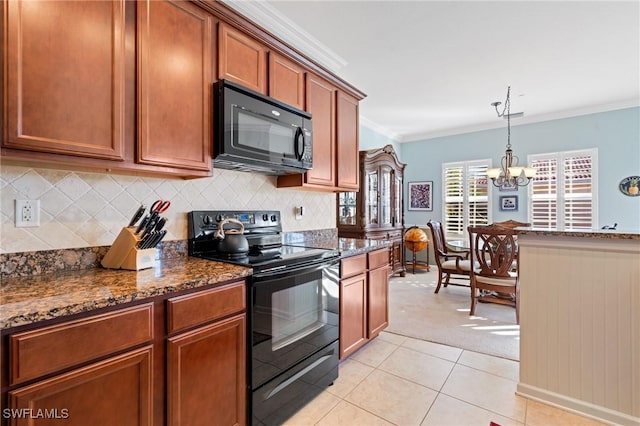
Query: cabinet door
386,181
353,314
241,59
175,51
286,81
378,301
371,198
114,391
321,103
64,90
207,375
347,142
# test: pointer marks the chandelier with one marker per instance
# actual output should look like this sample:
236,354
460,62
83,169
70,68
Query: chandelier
510,174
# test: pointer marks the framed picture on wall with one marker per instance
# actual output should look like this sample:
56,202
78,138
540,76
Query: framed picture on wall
509,203
421,196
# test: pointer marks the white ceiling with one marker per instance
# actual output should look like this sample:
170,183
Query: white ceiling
432,68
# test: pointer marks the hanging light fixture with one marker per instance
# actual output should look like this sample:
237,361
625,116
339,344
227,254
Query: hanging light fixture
510,174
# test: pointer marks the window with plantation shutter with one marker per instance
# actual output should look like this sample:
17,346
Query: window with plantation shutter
466,197
563,193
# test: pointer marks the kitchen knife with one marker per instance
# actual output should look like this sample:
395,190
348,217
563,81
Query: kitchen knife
137,215
157,237
142,224
160,224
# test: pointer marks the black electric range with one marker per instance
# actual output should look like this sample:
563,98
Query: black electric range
263,230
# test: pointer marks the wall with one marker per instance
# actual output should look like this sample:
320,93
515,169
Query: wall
89,209
616,134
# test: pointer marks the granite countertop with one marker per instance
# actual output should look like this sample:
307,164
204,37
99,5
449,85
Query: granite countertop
346,246
29,299
25,300
608,234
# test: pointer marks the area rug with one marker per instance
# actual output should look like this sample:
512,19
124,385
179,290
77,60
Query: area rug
416,311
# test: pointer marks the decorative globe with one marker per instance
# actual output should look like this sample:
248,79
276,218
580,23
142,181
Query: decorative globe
415,239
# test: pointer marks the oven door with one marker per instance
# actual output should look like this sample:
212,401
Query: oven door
294,314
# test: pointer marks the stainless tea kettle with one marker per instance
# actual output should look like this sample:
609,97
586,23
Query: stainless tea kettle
231,241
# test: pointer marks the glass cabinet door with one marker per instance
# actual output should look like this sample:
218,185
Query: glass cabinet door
397,200
347,208
371,207
385,195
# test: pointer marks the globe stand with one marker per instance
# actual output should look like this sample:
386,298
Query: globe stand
415,239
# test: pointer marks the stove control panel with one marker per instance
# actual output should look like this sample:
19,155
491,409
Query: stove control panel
203,222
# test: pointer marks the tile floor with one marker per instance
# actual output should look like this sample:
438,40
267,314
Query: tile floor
398,380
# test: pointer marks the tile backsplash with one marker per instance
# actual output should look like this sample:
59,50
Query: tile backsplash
79,209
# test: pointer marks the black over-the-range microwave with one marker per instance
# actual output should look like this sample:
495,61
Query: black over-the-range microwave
254,132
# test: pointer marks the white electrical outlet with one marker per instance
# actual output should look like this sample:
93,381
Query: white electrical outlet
27,213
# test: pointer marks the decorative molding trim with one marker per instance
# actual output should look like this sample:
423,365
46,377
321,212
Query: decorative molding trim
576,406
364,121
558,115
270,18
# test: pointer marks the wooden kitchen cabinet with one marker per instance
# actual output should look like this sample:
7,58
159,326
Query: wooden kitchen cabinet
133,94
206,365
115,390
77,368
175,56
64,92
241,59
286,81
353,311
376,211
335,139
364,299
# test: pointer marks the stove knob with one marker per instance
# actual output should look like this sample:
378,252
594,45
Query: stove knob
273,218
207,220
265,217
219,218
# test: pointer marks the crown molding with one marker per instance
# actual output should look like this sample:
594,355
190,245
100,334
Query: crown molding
557,115
270,18
364,121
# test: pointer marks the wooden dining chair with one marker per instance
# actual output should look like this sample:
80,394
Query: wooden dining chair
449,262
512,224
494,251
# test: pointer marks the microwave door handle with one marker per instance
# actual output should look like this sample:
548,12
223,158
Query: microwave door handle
299,143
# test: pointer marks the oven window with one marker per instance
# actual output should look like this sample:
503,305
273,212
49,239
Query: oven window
269,136
297,312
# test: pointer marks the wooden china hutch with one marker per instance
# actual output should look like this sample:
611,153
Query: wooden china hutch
376,211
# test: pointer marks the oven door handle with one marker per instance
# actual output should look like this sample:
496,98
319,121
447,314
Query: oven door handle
286,271
296,376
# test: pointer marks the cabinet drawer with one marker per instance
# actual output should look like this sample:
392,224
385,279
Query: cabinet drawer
198,308
47,350
353,265
378,258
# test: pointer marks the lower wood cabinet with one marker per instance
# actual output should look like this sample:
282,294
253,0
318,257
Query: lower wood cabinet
364,299
176,359
116,390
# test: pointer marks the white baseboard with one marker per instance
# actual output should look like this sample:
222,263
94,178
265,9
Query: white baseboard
576,406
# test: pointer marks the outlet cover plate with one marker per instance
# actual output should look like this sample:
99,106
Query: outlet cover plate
27,213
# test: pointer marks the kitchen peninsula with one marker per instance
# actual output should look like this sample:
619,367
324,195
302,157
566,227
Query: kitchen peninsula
580,321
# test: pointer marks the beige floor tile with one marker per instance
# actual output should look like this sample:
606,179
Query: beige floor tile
350,415
374,352
448,411
539,414
350,374
436,349
420,368
397,400
491,364
396,339
315,410
485,390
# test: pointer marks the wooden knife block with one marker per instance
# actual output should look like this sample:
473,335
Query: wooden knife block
124,253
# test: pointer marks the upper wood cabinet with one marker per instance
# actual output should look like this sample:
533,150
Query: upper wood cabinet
64,90
335,139
175,74
286,81
347,142
241,59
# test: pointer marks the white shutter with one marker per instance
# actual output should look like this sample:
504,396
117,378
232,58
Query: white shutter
454,200
563,193
466,197
478,194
